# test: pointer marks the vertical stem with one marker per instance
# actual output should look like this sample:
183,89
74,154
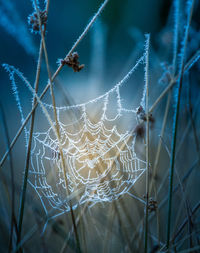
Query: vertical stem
176,33
153,183
57,124
193,122
13,219
176,115
147,139
23,196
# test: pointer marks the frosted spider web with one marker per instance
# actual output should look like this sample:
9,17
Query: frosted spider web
99,154
99,151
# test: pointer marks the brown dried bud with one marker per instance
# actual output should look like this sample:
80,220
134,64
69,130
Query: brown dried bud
33,20
72,61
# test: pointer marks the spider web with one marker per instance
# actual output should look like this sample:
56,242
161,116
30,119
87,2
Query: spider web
98,145
99,154
101,162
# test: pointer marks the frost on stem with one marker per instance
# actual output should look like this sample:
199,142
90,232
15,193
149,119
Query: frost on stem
16,94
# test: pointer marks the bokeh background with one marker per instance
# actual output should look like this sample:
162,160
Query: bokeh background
109,50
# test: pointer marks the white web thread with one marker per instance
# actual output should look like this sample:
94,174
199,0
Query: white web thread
101,163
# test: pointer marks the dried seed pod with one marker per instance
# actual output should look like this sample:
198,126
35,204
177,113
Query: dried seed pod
73,62
33,20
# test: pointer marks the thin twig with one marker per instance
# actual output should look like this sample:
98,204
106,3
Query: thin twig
185,202
147,141
57,125
192,121
175,123
13,219
157,160
26,170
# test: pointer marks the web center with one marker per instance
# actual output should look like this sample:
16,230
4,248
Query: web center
91,163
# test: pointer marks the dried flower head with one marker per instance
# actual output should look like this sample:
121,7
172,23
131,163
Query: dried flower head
33,20
73,62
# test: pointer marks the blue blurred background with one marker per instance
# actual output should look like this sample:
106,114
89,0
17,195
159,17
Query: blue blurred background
108,51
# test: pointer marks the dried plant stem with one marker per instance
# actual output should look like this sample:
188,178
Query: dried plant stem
184,202
193,122
13,218
153,182
57,126
23,196
175,123
160,142
147,142
176,34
